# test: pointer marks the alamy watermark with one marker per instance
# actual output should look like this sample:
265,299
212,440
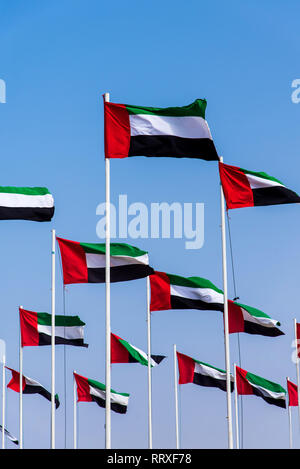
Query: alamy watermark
2,91
295,96
160,220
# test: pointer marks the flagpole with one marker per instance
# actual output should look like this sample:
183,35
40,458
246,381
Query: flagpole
176,398
3,401
149,366
107,302
74,411
290,421
21,391
226,328
53,342
236,410
297,367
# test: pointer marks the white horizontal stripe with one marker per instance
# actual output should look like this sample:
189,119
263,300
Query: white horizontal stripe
266,322
114,398
22,200
267,393
70,332
204,294
144,355
259,183
185,127
96,261
31,382
207,371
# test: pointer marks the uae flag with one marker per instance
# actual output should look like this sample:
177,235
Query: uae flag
244,188
36,329
243,318
89,390
85,262
30,386
180,132
193,371
9,435
124,352
248,383
26,203
170,291
292,393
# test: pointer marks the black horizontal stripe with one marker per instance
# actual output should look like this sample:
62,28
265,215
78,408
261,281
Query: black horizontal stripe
26,213
45,339
178,302
120,274
208,381
173,147
252,328
269,400
120,409
158,358
35,389
275,195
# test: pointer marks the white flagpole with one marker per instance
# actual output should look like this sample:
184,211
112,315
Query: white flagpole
297,367
74,411
176,397
21,391
236,411
107,303
290,421
3,401
53,342
149,366
226,328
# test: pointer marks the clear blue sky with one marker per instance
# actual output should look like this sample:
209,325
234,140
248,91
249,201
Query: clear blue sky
57,58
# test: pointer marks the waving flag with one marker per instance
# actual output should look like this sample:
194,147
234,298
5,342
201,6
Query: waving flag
89,390
193,371
26,203
170,291
30,386
124,352
248,383
9,435
85,262
36,329
243,318
244,188
180,132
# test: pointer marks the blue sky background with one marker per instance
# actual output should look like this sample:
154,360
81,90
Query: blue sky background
57,59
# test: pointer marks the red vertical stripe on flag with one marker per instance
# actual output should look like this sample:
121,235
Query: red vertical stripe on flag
160,291
14,383
243,387
73,261
186,366
293,393
236,321
118,352
236,188
298,338
116,130
29,328
83,389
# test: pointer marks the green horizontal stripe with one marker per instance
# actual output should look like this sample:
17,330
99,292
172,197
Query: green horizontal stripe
24,190
192,282
197,108
264,383
102,387
257,313
44,319
134,353
116,249
261,175
209,366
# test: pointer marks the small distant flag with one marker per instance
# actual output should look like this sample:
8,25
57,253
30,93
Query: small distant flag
248,383
89,390
124,352
194,371
26,203
244,188
30,386
179,132
292,393
85,262
9,435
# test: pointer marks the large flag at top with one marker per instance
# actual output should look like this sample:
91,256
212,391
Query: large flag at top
85,262
248,383
170,291
124,352
180,132
244,188
26,203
